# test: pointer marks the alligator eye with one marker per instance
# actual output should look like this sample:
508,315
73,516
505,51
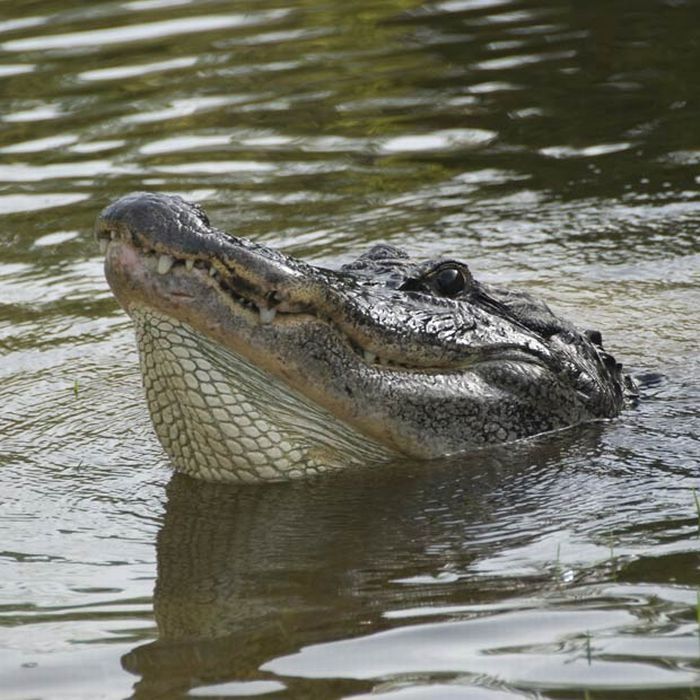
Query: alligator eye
450,281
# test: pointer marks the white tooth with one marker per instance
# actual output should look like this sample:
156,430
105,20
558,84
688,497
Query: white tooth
189,263
103,245
370,356
165,262
267,315
212,271
113,235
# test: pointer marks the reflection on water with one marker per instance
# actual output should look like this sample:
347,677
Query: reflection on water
552,145
470,573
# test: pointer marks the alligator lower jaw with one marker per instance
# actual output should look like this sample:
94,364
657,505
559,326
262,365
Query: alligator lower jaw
221,418
219,415
196,297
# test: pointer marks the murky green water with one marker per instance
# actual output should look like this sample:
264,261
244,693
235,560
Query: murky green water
555,146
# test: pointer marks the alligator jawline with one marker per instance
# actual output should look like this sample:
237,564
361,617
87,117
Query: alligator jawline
163,263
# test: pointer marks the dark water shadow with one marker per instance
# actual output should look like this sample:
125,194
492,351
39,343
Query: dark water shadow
246,574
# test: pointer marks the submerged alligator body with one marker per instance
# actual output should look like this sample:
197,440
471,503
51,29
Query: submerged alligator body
258,366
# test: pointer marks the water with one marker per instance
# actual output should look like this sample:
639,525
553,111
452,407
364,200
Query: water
555,146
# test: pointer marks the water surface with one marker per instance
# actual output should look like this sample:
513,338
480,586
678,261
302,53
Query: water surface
554,146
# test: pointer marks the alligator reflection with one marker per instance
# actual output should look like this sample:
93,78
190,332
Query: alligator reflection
248,573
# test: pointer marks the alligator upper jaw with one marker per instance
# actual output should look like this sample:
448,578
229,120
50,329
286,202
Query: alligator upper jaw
172,237
200,294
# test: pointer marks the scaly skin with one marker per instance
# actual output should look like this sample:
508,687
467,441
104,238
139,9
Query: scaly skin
258,366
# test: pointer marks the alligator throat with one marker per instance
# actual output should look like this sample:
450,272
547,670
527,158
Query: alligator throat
211,407
259,366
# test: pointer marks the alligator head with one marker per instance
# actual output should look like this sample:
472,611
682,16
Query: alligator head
260,366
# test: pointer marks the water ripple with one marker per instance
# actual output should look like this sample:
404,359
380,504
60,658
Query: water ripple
125,72
551,147
96,38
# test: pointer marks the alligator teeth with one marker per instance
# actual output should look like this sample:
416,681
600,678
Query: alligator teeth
212,271
113,235
189,263
370,357
267,315
104,243
165,262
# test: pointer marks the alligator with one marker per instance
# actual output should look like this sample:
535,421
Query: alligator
259,366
